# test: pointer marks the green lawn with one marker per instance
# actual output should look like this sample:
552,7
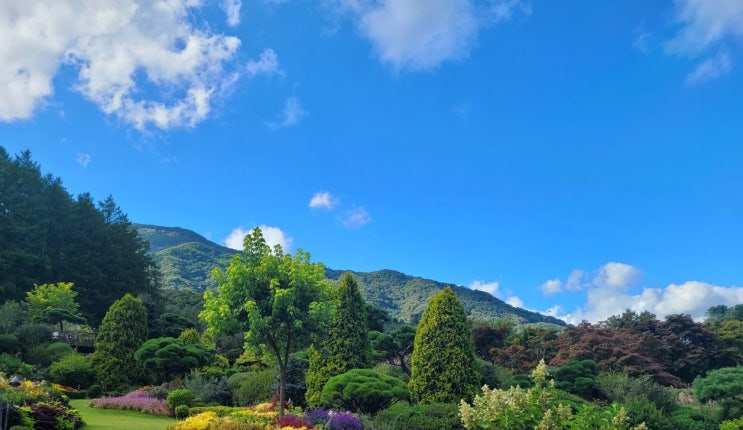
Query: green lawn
110,419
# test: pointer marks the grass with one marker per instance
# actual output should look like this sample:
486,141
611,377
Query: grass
111,419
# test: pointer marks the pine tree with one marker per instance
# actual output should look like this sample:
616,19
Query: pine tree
122,332
443,362
347,345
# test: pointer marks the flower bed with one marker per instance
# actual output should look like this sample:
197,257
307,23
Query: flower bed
137,400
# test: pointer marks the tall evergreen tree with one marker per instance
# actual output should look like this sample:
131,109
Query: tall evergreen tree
122,332
347,345
443,362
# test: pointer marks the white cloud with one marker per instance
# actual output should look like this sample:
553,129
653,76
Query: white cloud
705,23
710,68
609,293
489,287
275,236
83,159
551,287
267,64
272,235
292,113
232,10
617,276
235,239
421,34
323,200
515,302
357,217
118,49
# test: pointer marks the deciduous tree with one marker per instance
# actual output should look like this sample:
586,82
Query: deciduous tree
277,299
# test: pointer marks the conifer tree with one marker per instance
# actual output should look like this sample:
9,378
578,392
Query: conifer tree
443,363
347,345
122,332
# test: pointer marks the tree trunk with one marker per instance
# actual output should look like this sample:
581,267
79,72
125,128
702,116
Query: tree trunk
282,388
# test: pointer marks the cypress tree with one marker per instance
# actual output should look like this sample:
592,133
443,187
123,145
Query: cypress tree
347,345
443,363
122,332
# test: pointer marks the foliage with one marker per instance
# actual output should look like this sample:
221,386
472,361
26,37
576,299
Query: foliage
489,335
443,361
182,396
11,316
122,332
9,343
577,377
74,370
620,388
168,357
347,344
249,388
363,390
181,411
54,416
538,407
724,385
137,400
208,388
174,324
57,350
95,391
433,416
32,335
12,365
405,297
275,298
51,297
394,347
48,235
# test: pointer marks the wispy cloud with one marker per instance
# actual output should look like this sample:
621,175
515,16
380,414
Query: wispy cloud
232,10
709,69
83,159
356,218
706,25
118,49
323,200
421,34
267,64
272,235
551,286
491,288
291,115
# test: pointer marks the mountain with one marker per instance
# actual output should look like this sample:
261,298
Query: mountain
186,260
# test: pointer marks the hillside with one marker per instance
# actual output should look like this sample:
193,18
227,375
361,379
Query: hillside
186,260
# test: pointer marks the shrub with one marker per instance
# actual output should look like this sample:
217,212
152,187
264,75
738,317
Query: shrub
363,390
209,389
73,370
293,421
434,416
181,411
31,335
9,343
249,388
95,391
182,396
522,381
11,365
57,350
54,416
578,377
619,388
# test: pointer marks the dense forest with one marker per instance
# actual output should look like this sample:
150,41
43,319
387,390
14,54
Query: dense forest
50,236
382,350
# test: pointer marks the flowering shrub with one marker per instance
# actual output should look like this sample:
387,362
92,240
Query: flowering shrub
343,421
137,400
537,408
292,421
54,416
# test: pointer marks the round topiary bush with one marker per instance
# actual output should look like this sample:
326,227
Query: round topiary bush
363,390
95,391
180,397
181,411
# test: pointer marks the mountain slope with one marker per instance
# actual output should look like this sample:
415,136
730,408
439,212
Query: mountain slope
186,260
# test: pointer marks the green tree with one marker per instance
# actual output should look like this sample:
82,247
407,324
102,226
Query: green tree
11,316
47,297
276,299
74,370
394,347
443,362
363,390
347,345
122,332
168,357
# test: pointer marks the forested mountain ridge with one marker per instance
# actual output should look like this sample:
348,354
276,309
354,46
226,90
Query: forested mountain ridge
186,260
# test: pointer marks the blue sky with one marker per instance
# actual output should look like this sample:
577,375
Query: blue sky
575,158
